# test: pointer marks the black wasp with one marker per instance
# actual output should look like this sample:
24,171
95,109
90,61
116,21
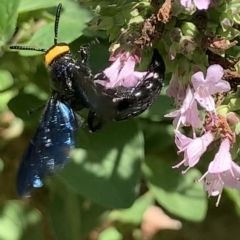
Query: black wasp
73,87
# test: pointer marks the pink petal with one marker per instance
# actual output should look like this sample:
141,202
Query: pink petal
177,123
213,188
186,3
128,68
201,4
194,151
196,116
222,161
129,81
216,188
197,80
113,71
173,114
221,86
211,177
229,180
181,140
172,90
187,100
219,165
193,116
142,75
214,73
205,100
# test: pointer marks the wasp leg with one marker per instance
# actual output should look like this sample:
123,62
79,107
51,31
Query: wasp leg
157,67
84,52
101,77
80,120
94,122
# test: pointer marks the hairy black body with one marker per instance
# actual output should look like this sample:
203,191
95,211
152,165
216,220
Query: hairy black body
73,82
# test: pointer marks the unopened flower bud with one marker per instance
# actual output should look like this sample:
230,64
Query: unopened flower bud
187,45
175,35
223,110
189,29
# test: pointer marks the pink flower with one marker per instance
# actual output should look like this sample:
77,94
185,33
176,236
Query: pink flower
176,90
188,114
213,186
222,172
205,87
200,4
181,141
192,148
121,72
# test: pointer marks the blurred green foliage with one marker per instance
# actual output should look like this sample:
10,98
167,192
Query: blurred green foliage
125,166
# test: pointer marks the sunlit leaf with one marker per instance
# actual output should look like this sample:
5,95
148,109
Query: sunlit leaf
71,26
18,221
43,38
110,233
134,214
179,194
107,167
8,14
23,104
29,5
72,217
235,196
1,165
6,81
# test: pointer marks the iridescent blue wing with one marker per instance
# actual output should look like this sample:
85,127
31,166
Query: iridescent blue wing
49,148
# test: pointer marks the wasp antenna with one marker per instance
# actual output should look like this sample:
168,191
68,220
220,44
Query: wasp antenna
57,23
28,48
93,42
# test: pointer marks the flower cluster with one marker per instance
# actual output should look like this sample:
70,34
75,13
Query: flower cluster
222,171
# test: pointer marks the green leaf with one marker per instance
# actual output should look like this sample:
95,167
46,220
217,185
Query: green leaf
160,107
71,26
234,104
1,165
43,38
22,103
134,214
235,52
154,132
8,13
106,169
74,12
69,6
6,83
110,233
29,5
19,222
235,196
99,63
6,80
72,216
180,195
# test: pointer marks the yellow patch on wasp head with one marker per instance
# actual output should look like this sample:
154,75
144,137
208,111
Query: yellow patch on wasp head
54,52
